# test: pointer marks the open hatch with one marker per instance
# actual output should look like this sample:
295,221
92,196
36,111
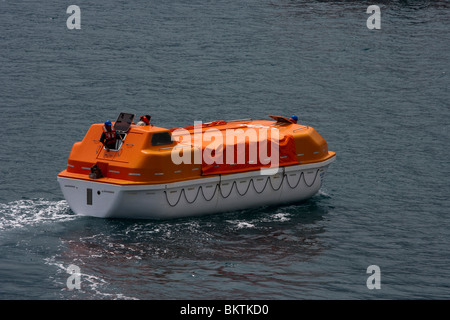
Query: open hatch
122,125
280,119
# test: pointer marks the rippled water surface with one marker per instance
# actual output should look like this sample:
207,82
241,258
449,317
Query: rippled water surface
379,97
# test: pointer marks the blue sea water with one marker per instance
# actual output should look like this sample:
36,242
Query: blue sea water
379,97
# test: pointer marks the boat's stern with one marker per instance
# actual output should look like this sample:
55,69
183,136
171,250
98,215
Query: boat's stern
89,198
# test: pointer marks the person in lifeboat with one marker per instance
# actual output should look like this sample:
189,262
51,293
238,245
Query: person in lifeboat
109,136
293,119
144,120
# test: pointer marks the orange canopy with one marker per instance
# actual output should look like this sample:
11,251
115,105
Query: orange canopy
237,148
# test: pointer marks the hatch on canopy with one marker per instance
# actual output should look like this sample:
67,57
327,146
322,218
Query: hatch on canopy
123,122
280,119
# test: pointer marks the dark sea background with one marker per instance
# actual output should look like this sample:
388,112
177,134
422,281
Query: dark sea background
379,97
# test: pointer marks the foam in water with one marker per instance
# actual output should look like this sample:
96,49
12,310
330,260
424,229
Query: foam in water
91,285
249,224
22,213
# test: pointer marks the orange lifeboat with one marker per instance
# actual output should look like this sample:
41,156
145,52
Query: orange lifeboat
157,173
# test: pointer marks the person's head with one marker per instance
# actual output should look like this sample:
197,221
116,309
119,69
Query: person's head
108,124
294,117
146,119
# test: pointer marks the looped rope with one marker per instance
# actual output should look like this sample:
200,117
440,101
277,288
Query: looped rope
281,183
304,179
251,181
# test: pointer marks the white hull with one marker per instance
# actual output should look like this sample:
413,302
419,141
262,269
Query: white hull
194,197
